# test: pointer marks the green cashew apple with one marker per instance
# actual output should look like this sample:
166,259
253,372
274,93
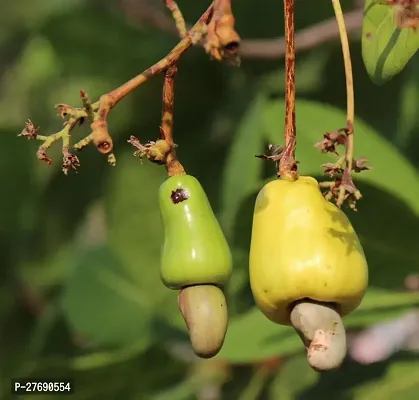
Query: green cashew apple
195,250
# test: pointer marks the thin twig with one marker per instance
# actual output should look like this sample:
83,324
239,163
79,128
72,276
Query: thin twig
177,16
99,111
163,151
110,100
287,165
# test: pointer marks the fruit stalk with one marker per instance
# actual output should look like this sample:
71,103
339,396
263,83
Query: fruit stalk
173,166
320,326
287,165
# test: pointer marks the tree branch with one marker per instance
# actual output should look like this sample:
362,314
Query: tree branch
313,36
98,112
305,39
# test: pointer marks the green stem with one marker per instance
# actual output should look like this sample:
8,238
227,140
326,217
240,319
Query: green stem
256,385
350,98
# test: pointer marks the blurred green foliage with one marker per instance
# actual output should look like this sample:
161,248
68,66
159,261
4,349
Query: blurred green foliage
386,48
80,294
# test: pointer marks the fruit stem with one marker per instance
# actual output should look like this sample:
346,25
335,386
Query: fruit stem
321,329
350,98
288,165
173,166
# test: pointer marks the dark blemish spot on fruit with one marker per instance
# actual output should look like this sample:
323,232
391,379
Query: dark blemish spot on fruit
179,195
368,35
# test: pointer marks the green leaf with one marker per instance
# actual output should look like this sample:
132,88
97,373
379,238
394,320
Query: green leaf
241,178
379,305
309,69
243,170
103,304
389,379
133,378
56,214
186,390
408,120
386,49
82,46
292,379
37,65
104,359
391,170
252,337
17,181
401,380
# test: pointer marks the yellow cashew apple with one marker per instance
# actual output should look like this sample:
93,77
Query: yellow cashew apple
303,247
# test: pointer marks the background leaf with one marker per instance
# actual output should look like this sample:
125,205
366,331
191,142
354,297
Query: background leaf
103,305
386,49
51,285
242,163
294,377
136,237
251,337
391,170
401,379
409,120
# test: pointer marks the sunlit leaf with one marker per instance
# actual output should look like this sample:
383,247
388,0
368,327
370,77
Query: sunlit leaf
386,49
292,378
400,380
391,170
309,69
408,120
243,170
